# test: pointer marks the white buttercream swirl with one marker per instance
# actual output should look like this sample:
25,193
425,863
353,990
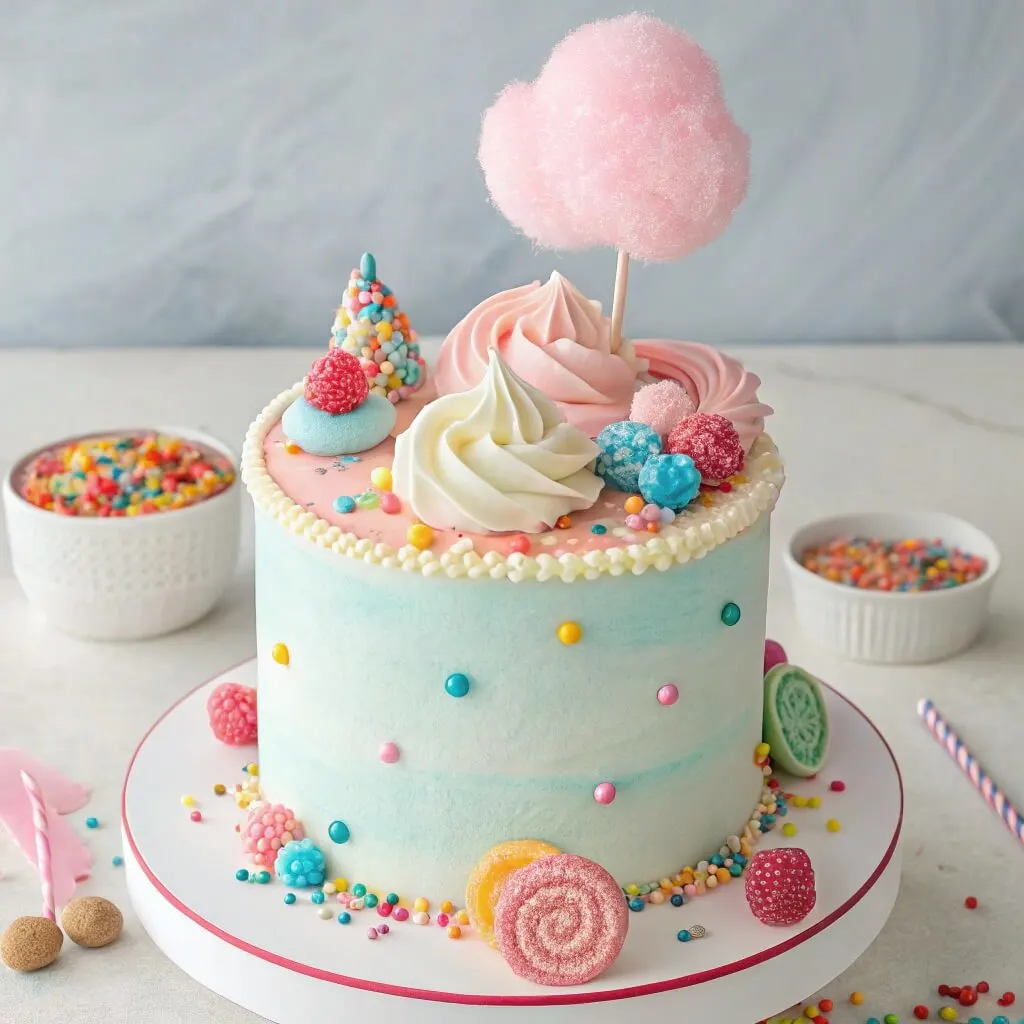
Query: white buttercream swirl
493,459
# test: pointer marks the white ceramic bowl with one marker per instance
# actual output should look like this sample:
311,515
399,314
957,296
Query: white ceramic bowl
892,628
125,578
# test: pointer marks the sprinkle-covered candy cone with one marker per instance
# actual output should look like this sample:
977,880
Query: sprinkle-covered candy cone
373,328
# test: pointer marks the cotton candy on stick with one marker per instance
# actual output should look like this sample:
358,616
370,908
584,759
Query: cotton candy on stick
623,140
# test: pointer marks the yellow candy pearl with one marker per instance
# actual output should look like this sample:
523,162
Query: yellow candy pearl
394,382
447,907
462,918
789,829
341,884
387,367
279,652
420,536
814,802
252,768
454,932
421,905
762,750
832,825
220,789
570,633
384,330
188,800
381,478
634,505
948,1013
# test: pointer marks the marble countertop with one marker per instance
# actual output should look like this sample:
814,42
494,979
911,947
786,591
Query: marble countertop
861,427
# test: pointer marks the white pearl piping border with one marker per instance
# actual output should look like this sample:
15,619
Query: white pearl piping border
694,533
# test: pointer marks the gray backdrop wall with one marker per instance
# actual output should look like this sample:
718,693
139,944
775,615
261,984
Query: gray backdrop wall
207,171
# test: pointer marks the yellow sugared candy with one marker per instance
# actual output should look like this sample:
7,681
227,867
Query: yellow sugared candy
381,478
570,633
483,890
279,652
420,536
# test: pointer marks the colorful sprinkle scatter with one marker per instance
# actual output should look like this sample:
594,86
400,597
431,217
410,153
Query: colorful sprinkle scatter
911,565
570,633
125,476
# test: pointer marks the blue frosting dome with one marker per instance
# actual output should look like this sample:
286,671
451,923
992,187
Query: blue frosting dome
324,433
671,481
625,447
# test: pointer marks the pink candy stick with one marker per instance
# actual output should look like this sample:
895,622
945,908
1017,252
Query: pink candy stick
39,823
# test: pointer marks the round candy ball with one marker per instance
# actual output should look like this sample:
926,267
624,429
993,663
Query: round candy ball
671,481
774,654
92,921
661,405
30,943
625,448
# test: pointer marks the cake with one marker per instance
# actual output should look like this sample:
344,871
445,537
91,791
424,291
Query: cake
511,607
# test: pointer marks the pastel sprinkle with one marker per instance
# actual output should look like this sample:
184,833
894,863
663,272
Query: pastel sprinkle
668,694
339,832
117,860
344,504
92,823
570,633
289,898
186,801
389,754
832,825
604,792
344,917
457,684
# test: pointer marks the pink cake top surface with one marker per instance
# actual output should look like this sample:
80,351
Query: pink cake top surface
314,482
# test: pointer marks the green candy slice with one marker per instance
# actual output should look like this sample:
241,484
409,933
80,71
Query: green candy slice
796,725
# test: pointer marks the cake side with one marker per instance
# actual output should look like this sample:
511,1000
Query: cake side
358,725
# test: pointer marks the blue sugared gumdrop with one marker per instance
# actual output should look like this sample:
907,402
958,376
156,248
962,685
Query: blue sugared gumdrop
300,864
625,447
671,481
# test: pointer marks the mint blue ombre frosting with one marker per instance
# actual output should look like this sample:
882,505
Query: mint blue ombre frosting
540,724
324,433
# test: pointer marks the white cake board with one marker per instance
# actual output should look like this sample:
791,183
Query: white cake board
290,966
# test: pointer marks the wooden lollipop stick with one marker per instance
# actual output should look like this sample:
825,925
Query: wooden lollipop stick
619,297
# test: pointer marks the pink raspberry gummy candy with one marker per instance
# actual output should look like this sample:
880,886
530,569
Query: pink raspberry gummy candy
336,383
267,829
232,711
780,886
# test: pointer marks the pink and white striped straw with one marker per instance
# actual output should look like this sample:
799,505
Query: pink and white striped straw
957,749
43,860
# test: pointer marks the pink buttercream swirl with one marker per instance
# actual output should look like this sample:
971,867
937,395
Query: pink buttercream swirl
717,383
554,338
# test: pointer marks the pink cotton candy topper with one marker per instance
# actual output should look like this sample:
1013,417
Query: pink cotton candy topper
623,140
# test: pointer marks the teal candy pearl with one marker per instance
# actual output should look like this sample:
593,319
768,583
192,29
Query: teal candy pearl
368,267
92,823
636,904
371,900
731,614
263,878
242,875
358,890
289,898
393,898
338,832
677,900
599,529
683,936
457,685
344,917
318,898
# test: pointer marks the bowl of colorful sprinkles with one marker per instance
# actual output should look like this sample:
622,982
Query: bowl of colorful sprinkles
893,588
124,534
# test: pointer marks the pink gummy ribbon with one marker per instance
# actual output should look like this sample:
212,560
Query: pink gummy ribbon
70,859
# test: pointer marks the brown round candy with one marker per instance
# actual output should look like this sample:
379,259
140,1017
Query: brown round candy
30,943
92,921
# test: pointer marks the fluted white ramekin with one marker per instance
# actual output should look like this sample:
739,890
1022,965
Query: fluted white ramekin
124,578
881,626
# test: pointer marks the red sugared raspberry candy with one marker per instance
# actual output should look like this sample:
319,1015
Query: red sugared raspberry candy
232,711
336,383
711,441
780,886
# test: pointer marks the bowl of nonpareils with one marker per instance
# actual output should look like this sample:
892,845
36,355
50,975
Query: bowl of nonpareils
124,534
891,587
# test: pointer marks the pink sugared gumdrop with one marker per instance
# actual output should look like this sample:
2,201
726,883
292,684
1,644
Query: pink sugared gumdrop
267,829
774,654
623,140
661,405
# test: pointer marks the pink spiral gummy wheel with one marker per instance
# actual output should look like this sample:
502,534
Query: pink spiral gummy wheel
561,921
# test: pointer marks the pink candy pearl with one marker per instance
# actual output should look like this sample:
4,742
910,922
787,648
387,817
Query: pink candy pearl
364,297
604,793
394,397
668,694
690,890
774,654
635,522
383,929
388,752
389,501
650,513
400,914
371,933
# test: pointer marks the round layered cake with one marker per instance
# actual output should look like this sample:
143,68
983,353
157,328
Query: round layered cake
467,635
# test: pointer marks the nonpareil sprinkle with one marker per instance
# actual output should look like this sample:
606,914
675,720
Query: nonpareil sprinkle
124,476
911,565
